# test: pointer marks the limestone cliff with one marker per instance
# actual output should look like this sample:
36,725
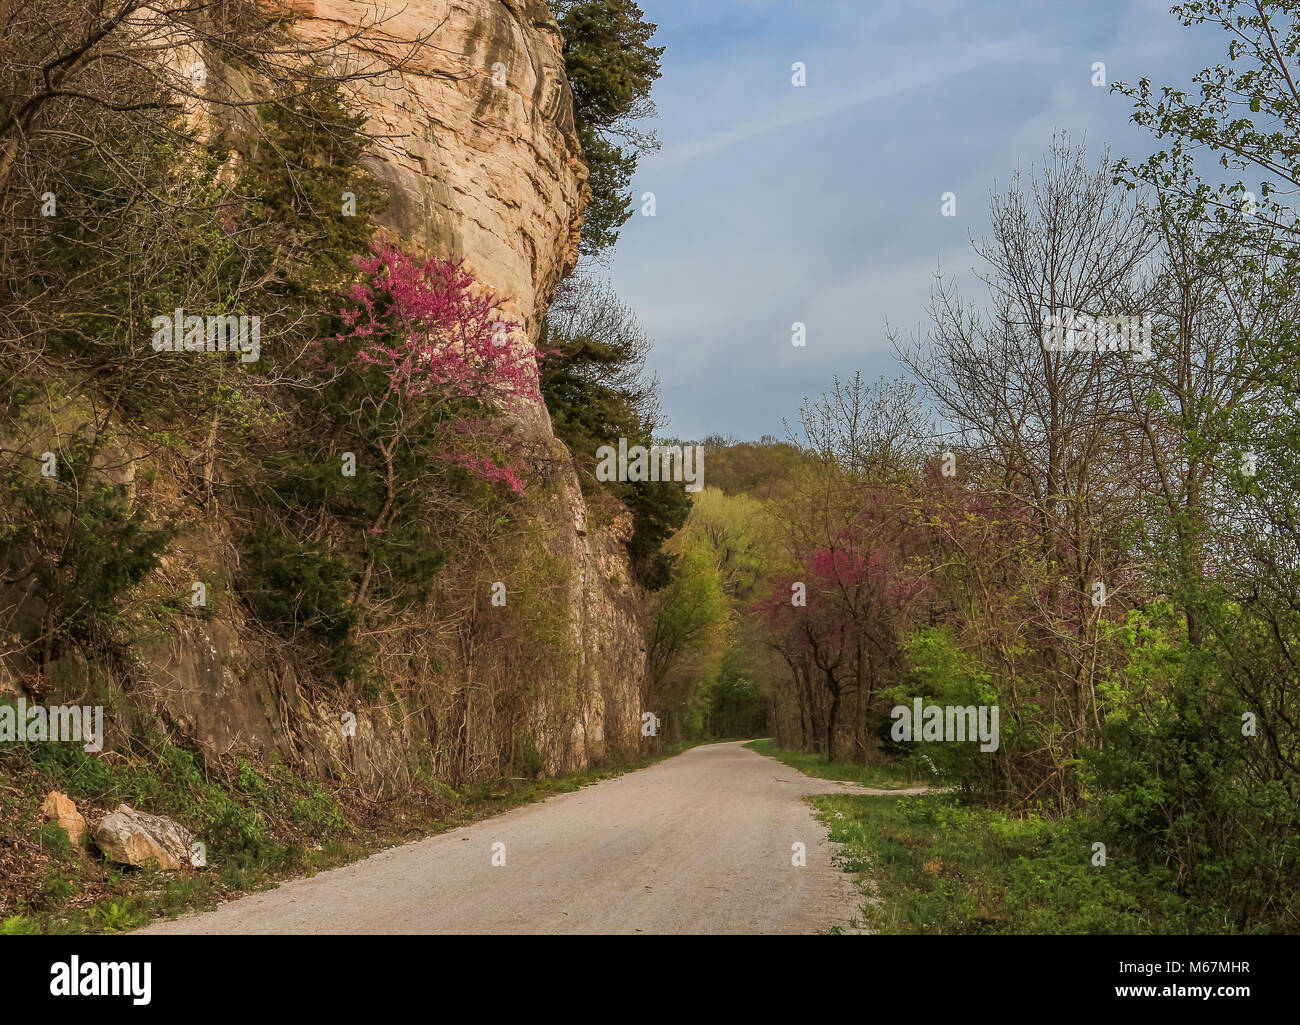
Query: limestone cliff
478,157
481,159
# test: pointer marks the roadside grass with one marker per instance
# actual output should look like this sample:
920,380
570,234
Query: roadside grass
925,864
261,823
883,777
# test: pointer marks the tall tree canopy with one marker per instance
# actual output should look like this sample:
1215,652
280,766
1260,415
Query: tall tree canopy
611,67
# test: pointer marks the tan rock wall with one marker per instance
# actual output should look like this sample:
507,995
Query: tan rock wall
478,158
479,153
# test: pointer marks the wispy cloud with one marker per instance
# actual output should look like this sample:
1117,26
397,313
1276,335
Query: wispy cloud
924,71
822,205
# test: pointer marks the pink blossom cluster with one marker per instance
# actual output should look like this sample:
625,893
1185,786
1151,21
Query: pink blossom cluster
429,329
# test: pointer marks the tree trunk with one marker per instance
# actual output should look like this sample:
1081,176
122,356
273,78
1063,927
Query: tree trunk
832,718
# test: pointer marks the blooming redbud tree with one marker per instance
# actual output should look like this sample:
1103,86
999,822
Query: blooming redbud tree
431,354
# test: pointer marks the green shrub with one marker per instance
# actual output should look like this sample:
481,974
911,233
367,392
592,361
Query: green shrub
296,586
54,839
89,547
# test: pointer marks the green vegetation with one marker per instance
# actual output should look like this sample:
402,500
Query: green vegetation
304,159
882,777
931,865
611,67
757,469
75,537
700,664
596,390
294,585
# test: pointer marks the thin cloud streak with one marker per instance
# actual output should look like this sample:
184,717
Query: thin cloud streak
920,76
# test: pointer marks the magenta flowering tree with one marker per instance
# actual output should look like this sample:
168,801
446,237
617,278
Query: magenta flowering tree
429,354
837,615
433,334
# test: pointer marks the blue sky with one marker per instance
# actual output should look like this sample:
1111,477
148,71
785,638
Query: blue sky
822,204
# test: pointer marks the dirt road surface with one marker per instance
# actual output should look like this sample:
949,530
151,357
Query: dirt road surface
701,843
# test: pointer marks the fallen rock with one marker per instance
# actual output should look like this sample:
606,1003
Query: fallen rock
62,810
133,838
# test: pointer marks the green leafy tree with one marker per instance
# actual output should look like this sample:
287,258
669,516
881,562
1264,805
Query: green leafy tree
1201,754
612,68
72,541
687,632
302,162
595,387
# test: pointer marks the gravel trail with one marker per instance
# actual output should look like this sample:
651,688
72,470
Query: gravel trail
700,843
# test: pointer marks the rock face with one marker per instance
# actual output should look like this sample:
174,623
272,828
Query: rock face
481,158
484,162
61,810
478,157
133,838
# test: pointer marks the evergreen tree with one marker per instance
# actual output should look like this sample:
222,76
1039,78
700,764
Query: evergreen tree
611,67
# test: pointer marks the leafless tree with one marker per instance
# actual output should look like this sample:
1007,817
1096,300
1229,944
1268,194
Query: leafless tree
1053,423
